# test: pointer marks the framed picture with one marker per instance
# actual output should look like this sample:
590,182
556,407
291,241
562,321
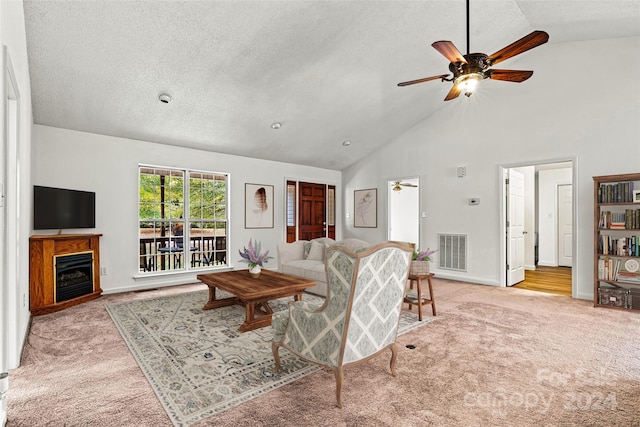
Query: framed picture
636,196
258,206
366,208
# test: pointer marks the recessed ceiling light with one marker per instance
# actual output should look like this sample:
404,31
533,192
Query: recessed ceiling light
276,125
346,143
164,98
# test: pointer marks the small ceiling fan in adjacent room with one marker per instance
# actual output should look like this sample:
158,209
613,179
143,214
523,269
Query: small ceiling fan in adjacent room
471,68
397,186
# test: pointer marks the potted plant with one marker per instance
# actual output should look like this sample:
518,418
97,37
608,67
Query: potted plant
420,261
254,258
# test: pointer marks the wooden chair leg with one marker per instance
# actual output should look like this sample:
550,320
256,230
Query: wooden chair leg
394,359
276,356
339,372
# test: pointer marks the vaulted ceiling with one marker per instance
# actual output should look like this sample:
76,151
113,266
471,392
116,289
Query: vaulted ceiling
325,70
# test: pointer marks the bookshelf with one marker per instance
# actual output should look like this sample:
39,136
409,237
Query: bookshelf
617,241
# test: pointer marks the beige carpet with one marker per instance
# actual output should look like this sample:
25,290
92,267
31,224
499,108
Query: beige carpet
197,362
494,356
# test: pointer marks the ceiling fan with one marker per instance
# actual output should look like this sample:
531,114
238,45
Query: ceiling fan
469,69
397,186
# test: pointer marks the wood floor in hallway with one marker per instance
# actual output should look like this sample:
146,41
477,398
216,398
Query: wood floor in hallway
553,280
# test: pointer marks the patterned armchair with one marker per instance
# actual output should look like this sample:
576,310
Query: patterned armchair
360,316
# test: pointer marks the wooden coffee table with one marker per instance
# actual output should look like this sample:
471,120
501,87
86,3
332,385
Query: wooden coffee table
253,293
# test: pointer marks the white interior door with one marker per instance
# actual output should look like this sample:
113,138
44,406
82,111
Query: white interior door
565,225
515,227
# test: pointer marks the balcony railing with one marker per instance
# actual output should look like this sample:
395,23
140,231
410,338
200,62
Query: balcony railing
168,253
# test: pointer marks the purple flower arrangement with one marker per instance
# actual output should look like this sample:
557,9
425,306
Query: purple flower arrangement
252,256
419,255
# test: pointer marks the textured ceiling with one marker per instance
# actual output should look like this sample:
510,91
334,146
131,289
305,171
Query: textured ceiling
327,70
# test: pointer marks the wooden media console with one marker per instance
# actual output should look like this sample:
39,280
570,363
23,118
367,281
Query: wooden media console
64,270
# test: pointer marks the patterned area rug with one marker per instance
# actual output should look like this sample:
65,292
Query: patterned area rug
197,362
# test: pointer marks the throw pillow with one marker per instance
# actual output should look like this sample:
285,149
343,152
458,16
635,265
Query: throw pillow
307,248
316,252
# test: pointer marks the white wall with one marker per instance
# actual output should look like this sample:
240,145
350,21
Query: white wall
14,264
548,181
109,166
557,114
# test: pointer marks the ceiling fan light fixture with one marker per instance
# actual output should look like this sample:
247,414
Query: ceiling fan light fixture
470,68
468,83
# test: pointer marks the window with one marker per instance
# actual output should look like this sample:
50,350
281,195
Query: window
182,222
291,205
331,205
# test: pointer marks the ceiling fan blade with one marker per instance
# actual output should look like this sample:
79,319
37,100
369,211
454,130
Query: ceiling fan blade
449,50
426,79
529,41
515,76
453,93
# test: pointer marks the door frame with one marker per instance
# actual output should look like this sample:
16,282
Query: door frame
328,185
11,302
502,217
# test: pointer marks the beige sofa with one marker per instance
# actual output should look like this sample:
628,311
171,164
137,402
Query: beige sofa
305,258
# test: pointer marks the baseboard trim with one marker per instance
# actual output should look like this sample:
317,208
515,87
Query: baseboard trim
547,264
443,274
149,286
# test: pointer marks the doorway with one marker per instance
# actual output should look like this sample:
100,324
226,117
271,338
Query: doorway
404,206
310,211
545,240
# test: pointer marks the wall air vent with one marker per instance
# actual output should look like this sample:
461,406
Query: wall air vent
453,252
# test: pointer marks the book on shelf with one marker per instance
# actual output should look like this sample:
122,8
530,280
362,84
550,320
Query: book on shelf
608,268
627,220
619,192
624,246
628,276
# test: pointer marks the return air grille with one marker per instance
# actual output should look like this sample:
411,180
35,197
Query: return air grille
453,252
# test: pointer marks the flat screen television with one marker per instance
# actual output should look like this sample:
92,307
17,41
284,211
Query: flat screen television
59,208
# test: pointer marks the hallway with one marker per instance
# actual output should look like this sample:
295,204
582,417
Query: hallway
553,280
